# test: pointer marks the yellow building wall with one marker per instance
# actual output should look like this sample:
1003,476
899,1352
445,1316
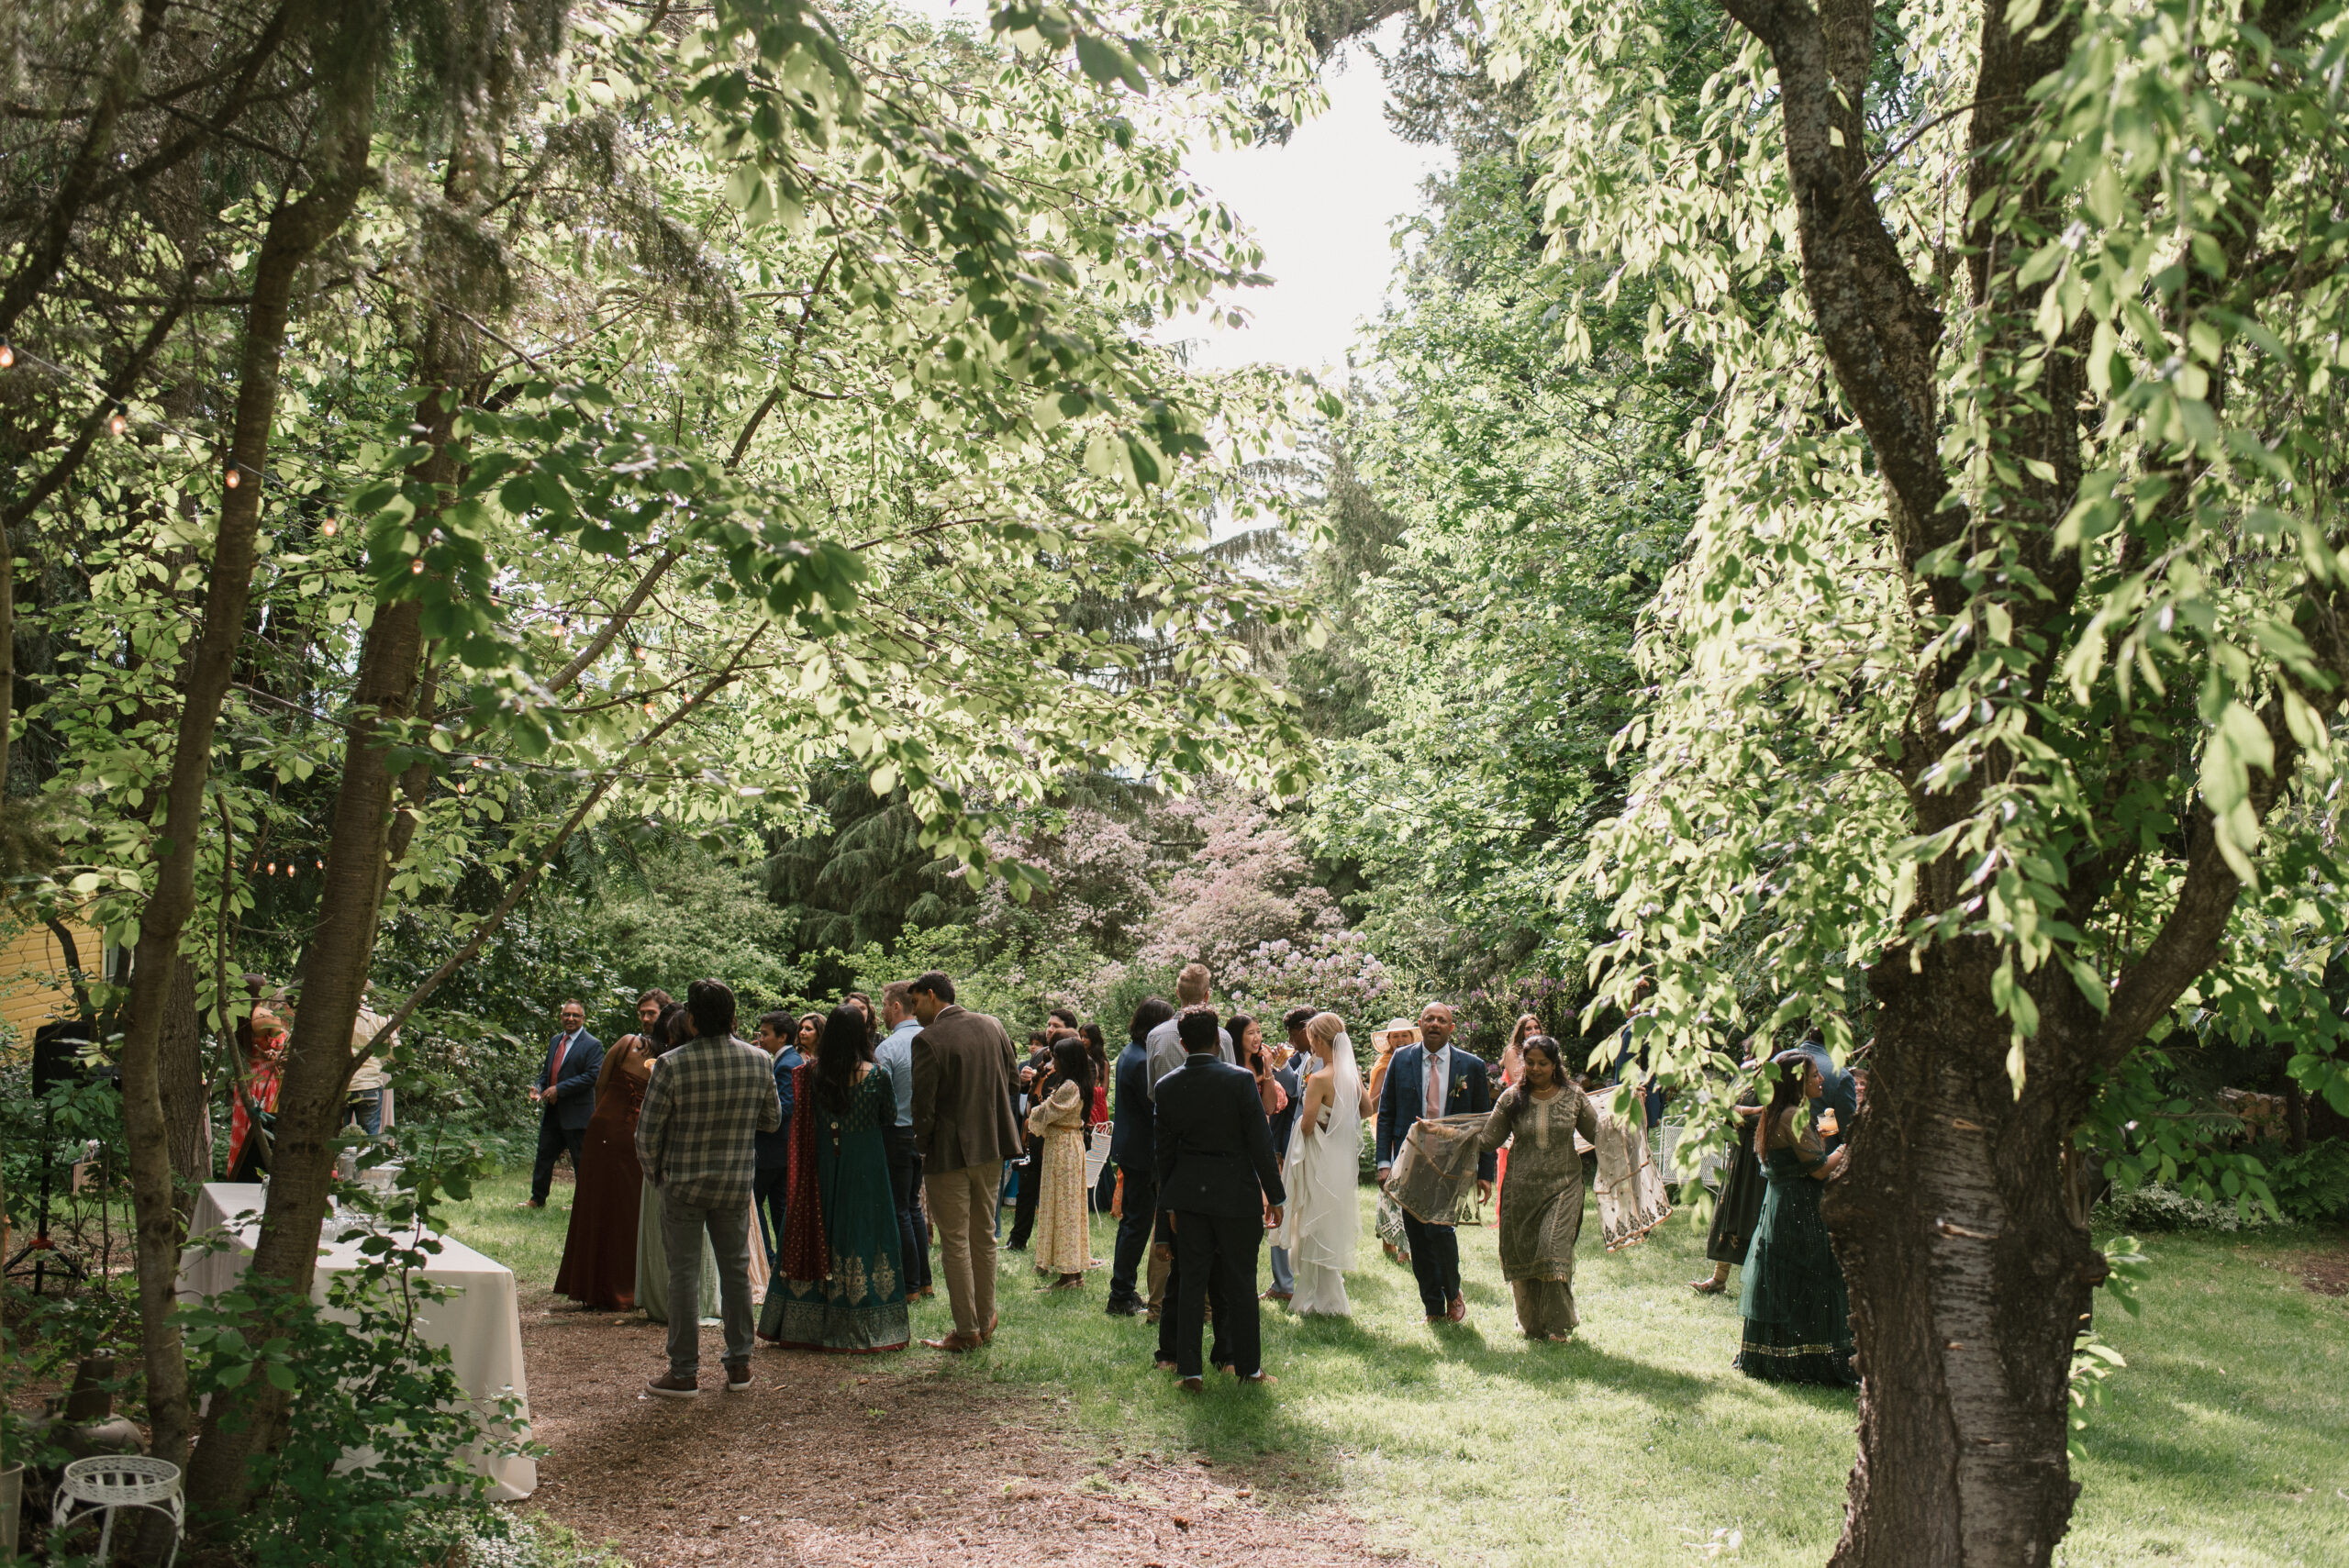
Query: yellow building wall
34,987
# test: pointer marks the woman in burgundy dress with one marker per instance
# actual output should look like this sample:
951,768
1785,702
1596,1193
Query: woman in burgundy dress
600,1250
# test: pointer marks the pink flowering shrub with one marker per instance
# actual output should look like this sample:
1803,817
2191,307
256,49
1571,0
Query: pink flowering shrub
1330,970
1103,892
1214,877
1247,885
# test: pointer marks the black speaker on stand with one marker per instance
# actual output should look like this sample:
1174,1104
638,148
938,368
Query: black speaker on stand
57,1058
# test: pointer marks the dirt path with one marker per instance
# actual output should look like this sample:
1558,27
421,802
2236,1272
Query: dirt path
847,1461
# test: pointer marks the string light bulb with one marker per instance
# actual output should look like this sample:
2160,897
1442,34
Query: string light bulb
234,478
8,356
322,866
331,527
117,422
272,868
416,567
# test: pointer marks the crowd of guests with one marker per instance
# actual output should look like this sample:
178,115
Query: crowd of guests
793,1185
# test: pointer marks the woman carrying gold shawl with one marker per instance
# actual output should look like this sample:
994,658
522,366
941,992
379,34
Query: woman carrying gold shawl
1541,1202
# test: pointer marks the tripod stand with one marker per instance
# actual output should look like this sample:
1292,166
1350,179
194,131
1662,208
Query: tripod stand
53,1061
43,1251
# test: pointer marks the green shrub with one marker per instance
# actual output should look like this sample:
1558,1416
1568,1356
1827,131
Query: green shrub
2312,1186
2158,1207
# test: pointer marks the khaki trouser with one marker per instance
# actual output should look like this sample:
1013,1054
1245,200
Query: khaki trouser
1162,1263
961,1205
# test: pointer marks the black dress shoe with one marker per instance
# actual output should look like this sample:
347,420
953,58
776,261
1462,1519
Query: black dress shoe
1126,1307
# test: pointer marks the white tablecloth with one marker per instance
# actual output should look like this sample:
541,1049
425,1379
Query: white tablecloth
482,1325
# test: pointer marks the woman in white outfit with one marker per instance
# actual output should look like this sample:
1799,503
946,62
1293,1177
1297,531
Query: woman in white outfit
1323,1219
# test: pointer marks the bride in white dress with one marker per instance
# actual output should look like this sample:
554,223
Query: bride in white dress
1323,1219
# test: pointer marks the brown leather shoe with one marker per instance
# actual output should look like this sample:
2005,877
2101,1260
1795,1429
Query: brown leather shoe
1457,1311
986,1335
668,1386
1191,1384
955,1344
1260,1377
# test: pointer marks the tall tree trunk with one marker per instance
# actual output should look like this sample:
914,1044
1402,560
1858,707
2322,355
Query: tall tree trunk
186,1092
295,233
1970,1280
315,1081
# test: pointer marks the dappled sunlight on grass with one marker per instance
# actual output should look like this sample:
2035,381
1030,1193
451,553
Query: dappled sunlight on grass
2225,1441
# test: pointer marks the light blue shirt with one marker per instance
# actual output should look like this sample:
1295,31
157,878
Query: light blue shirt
896,1053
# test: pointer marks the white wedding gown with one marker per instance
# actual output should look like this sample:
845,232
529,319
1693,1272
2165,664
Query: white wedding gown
1323,1219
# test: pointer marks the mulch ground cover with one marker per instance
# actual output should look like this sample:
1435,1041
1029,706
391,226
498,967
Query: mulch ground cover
851,1461
2327,1274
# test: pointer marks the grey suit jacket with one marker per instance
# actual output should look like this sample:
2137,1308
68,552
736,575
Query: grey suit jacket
966,1075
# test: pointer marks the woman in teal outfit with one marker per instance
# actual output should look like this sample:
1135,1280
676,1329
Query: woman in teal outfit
1798,1313
839,1285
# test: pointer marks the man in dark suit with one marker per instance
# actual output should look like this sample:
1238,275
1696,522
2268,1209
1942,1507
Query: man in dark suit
769,1188
964,1129
1433,1080
1218,1178
1134,1150
1032,1072
565,1095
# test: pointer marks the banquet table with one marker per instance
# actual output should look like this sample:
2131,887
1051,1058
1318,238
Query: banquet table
481,1326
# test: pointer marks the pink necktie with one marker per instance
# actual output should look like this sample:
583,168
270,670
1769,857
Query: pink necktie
1435,1085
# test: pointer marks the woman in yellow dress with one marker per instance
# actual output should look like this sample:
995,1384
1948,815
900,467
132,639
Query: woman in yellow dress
1062,1246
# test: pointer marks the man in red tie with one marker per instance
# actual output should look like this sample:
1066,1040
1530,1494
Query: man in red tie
1429,1081
565,1095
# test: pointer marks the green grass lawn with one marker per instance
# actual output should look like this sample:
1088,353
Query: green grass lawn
2225,1441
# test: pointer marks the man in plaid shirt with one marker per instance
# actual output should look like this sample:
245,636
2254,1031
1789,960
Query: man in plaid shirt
695,1139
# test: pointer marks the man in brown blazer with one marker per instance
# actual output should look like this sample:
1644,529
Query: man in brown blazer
964,1129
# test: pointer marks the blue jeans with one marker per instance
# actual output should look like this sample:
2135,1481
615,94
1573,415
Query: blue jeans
728,1226
1284,1282
367,1110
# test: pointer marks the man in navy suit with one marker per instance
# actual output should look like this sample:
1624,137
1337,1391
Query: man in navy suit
770,1190
1217,1179
565,1095
1133,1149
1433,1080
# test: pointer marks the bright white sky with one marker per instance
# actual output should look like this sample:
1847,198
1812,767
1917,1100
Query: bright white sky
1322,207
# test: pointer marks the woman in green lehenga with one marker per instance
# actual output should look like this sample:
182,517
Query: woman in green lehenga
839,1285
1798,1313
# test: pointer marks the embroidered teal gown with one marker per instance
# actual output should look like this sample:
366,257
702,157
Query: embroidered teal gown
1798,1313
860,1306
